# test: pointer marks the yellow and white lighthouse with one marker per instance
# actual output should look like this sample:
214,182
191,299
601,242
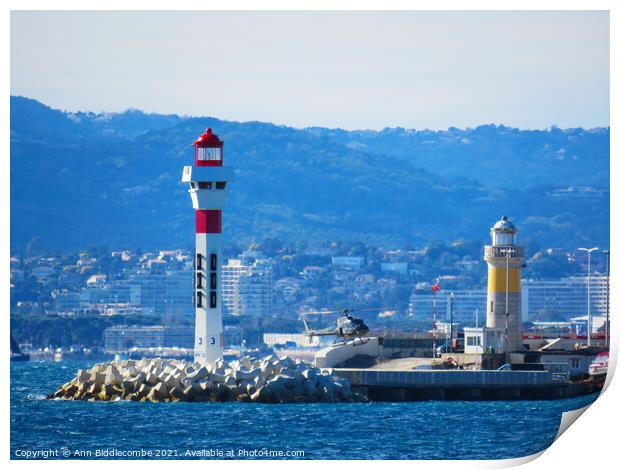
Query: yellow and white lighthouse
504,259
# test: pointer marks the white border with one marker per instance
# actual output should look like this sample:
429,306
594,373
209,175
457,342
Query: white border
589,444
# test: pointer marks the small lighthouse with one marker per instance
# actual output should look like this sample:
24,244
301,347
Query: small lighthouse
208,182
504,259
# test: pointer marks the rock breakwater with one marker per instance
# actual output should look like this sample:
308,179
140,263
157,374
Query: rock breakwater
266,380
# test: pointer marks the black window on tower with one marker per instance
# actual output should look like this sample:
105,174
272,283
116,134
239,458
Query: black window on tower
199,277
213,262
199,301
198,261
213,280
213,299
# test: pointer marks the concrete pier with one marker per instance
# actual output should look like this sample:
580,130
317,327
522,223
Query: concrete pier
412,385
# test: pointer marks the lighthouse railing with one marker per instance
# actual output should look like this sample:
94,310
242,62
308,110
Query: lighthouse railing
500,251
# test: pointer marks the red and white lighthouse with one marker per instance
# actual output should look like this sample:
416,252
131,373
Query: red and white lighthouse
208,187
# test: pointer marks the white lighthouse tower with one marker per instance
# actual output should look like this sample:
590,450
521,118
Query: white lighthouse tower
208,187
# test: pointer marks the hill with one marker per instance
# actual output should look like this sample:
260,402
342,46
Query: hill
82,179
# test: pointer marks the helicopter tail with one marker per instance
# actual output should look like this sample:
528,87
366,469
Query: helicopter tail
308,332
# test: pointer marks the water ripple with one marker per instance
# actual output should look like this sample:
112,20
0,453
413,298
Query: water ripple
418,430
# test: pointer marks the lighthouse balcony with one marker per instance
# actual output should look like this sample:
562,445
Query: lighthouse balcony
207,173
499,251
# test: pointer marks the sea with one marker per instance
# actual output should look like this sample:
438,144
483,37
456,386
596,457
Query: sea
61,429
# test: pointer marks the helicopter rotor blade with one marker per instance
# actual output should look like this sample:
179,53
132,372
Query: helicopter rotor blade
349,310
319,312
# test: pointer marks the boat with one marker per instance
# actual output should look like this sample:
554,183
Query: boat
16,354
598,367
58,355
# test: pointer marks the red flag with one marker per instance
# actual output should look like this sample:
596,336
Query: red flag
435,287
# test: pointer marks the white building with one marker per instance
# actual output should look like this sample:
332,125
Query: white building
399,267
482,340
464,305
567,297
247,287
347,262
298,339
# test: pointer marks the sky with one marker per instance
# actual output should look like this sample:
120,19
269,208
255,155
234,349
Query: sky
354,70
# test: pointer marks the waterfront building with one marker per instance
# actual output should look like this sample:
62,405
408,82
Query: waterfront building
465,303
120,339
247,287
296,339
111,294
564,298
160,292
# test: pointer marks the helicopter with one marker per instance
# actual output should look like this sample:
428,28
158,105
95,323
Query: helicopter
345,326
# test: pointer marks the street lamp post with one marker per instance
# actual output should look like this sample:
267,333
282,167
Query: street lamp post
589,250
435,289
606,253
451,322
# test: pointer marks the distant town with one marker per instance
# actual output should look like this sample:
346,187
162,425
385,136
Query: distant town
109,301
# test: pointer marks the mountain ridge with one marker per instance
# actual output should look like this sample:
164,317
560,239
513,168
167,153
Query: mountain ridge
386,187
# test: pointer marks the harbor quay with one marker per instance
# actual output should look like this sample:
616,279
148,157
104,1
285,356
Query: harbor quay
389,385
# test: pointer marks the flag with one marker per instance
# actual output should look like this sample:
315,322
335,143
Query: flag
435,287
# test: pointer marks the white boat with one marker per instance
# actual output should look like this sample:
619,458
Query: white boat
58,355
598,367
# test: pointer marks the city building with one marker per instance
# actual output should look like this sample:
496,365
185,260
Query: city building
247,287
399,267
564,298
290,339
111,294
467,305
158,292
122,338
347,262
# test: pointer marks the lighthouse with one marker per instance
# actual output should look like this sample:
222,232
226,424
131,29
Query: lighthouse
504,259
208,180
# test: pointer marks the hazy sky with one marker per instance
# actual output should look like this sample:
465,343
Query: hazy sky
336,69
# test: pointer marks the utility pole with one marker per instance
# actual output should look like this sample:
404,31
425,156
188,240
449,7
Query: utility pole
451,315
589,250
435,288
606,253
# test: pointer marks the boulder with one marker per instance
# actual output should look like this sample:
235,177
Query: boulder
170,381
143,390
151,379
160,390
217,378
309,374
176,393
263,394
269,380
198,374
83,375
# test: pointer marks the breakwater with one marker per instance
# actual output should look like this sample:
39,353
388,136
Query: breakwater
266,380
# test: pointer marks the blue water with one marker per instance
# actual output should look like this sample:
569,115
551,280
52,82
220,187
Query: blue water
418,430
